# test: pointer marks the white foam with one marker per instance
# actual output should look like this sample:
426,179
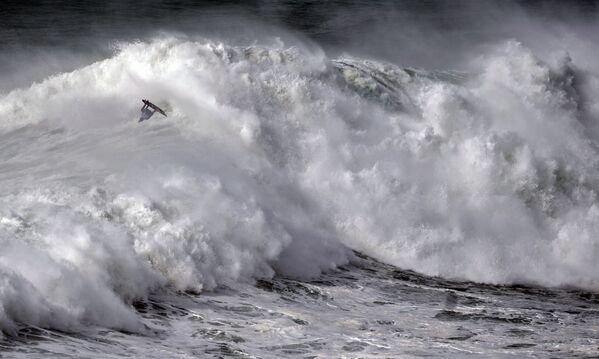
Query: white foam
275,159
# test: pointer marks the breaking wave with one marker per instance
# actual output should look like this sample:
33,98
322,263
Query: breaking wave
277,159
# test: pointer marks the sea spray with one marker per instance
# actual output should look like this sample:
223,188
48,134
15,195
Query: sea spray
277,159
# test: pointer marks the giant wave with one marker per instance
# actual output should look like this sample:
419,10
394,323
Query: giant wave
277,159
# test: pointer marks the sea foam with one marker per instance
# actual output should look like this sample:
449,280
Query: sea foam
276,159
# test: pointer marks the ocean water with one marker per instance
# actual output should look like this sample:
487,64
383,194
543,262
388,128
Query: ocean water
333,180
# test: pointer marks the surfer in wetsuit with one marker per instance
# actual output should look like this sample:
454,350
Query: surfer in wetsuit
146,112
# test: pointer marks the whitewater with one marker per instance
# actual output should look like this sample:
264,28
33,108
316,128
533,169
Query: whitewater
283,171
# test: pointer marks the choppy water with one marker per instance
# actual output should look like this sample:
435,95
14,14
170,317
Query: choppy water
312,193
365,310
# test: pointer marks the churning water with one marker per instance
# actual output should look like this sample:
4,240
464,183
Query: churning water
312,192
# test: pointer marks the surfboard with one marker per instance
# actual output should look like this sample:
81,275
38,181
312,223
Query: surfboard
154,107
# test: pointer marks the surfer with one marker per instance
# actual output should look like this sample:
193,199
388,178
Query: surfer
148,110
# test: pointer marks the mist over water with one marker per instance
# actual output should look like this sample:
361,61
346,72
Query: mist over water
457,139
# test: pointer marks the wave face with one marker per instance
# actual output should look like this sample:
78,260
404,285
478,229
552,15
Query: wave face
277,159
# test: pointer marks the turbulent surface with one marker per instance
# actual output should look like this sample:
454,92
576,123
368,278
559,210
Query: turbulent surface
229,228
364,310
